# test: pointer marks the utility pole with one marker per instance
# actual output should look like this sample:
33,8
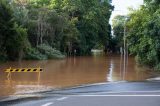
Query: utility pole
125,50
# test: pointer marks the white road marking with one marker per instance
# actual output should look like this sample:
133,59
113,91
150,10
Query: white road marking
128,92
63,98
47,104
119,94
115,96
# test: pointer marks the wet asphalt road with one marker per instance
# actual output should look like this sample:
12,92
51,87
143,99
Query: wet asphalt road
112,94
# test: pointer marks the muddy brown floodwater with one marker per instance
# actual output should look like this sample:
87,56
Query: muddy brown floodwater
69,72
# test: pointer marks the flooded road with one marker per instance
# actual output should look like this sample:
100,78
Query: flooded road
69,72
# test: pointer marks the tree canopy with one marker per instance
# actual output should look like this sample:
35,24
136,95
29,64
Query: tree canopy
119,26
144,34
73,27
13,38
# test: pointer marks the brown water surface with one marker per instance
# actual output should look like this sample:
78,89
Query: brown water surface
69,72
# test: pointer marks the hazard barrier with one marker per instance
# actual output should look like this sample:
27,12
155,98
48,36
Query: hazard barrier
23,70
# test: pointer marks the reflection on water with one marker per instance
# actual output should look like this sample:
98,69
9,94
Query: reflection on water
110,77
69,72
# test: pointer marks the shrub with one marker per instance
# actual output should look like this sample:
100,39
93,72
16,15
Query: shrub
50,52
34,54
157,67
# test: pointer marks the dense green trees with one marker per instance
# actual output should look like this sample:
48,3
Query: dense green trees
91,22
144,34
71,26
119,26
13,38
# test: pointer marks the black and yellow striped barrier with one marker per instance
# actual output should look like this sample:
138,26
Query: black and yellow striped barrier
23,70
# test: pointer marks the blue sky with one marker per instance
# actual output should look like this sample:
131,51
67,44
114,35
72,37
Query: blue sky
121,6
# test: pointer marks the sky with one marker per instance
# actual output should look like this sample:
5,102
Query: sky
121,6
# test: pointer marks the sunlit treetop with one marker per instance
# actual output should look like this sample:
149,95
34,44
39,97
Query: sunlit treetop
152,1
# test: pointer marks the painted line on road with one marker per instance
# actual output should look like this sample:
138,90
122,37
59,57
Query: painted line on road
156,91
114,95
63,98
47,104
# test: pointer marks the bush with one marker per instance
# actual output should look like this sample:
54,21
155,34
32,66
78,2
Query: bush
50,52
3,57
34,54
157,67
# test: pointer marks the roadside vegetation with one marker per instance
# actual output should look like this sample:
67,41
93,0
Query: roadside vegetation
143,34
51,29
119,25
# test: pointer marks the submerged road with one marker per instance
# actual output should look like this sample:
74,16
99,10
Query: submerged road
104,94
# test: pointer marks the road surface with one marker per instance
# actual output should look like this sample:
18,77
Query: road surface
112,94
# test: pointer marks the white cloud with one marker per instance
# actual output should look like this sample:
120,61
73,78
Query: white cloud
121,6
